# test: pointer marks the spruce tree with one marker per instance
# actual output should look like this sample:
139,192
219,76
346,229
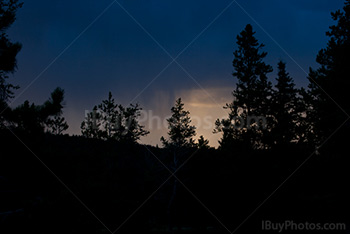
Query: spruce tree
329,84
284,108
181,132
252,96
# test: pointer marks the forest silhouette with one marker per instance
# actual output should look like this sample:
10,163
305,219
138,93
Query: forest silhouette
282,154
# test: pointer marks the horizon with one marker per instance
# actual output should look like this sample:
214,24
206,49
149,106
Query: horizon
117,54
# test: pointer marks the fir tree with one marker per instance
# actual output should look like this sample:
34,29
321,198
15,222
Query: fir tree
284,108
181,132
252,96
328,88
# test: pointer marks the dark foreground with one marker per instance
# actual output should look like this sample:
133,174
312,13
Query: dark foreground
77,185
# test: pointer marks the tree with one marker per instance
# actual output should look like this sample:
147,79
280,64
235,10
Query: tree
9,50
109,120
181,132
8,53
329,83
284,108
252,96
128,128
305,110
203,143
109,114
90,127
33,118
56,125
253,88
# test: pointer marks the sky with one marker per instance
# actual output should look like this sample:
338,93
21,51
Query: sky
89,48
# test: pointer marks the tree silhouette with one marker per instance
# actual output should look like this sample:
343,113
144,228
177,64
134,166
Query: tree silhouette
8,53
181,132
109,120
9,50
284,108
109,115
331,81
90,127
128,128
56,125
33,118
252,96
203,143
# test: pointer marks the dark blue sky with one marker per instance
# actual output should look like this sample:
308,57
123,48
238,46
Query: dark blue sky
116,55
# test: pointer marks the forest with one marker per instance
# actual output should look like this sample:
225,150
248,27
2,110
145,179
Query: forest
282,152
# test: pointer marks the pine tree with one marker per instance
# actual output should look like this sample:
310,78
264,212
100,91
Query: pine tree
108,110
109,120
56,125
8,49
252,88
91,125
203,143
252,96
33,118
284,108
329,83
130,129
8,53
181,132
